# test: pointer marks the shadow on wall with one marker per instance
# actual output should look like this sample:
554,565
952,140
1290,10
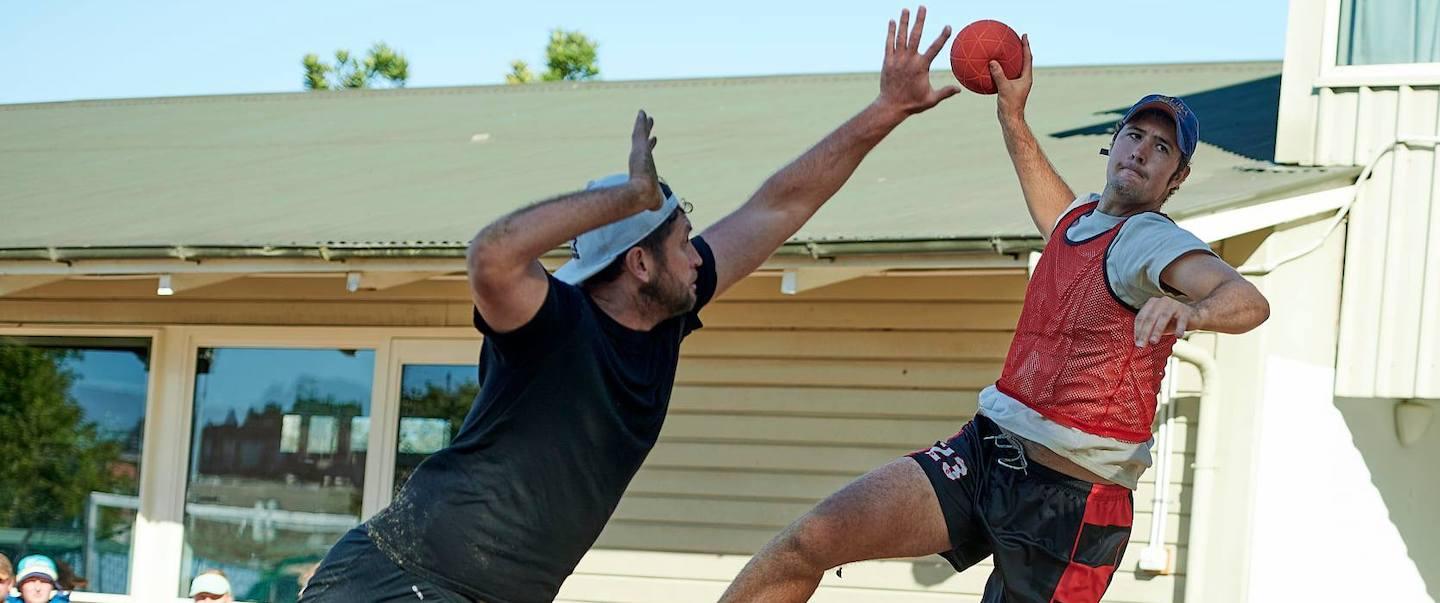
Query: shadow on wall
1239,118
1405,477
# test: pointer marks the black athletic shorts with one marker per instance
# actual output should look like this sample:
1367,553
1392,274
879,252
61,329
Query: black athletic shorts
1054,538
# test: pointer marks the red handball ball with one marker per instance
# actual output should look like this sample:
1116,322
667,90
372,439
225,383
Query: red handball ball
978,44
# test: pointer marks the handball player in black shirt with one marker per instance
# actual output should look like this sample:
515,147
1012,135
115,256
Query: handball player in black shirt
577,367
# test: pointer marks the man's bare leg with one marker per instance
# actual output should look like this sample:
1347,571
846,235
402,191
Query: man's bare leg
889,512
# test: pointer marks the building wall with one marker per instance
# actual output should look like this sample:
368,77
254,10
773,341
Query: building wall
1319,500
1390,308
780,401
1352,475
1391,469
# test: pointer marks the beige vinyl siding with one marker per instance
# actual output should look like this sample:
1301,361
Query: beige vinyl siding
1389,330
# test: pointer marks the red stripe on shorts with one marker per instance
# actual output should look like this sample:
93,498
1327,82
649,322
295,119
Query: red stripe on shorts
1107,505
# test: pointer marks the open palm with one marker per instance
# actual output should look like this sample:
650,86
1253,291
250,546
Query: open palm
905,78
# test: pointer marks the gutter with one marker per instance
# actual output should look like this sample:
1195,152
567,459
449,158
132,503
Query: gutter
1000,245
73,261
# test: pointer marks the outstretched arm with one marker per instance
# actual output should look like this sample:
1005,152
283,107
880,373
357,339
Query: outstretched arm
507,282
744,239
1046,194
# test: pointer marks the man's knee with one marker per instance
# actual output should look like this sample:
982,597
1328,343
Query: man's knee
813,541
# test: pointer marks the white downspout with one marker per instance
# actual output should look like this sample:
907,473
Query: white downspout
1155,557
1203,502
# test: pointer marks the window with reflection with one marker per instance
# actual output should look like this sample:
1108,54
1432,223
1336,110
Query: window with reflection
434,399
72,425
277,463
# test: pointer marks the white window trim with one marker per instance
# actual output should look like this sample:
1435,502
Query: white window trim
1334,75
403,351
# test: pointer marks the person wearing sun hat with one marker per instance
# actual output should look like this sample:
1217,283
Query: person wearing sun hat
36,581
211,586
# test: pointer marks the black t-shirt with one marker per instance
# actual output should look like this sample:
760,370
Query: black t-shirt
569,406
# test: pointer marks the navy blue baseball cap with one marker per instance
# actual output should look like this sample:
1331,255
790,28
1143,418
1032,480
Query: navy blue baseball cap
1187,126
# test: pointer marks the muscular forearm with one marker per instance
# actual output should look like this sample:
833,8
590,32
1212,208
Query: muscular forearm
807,182
1235,306
1046,194
521,237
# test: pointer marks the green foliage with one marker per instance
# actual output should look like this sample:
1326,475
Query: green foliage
382,64
441,402
436,401
51,458
315,72
570,55
519,73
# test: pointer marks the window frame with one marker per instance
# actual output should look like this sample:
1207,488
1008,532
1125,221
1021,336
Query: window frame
1335,75
403,351
148,472
296,338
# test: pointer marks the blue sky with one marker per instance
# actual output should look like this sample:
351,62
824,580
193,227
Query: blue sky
110,385
244,379
109,49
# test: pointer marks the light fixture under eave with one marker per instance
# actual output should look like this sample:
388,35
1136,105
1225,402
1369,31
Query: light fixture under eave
165,287
352,281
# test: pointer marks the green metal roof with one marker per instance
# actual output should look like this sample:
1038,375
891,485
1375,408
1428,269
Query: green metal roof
426,168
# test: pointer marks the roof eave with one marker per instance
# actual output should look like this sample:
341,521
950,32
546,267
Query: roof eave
1319,195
